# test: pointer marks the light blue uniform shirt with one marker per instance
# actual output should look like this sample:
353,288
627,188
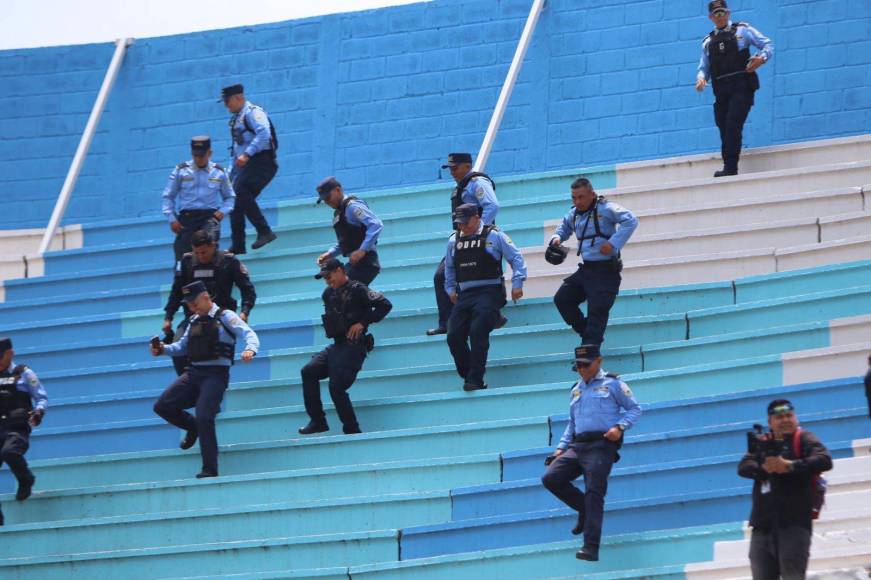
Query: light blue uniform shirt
190,187
499,246
29,383
598,406
611,215
358,213
745,35
480,192
241,331
258,139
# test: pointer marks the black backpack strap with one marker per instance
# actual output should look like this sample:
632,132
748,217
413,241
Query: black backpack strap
227,328
19,370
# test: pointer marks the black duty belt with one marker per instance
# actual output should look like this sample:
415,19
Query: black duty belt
589,436
197,212
598,265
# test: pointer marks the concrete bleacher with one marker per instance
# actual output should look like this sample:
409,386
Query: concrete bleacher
444,482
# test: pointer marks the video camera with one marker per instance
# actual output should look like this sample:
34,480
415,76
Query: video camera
761,443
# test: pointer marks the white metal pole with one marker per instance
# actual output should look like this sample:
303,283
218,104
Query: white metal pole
85,143
508,85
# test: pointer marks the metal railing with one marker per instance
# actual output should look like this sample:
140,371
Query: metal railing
508,85
66,191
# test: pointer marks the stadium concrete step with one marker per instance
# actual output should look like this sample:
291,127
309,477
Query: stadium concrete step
675,353
754,160
156,272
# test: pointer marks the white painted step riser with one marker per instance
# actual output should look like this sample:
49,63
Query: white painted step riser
852,330
832,229
744,240
698,194
742,215
848,251
845,201
698,167
827,536
859,556
825,363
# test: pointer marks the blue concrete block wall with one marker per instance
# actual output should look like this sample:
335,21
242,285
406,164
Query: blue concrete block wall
379,97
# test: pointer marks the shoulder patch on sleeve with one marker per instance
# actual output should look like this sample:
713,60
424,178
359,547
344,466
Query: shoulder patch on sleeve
626,390
358,212
374,295
219,168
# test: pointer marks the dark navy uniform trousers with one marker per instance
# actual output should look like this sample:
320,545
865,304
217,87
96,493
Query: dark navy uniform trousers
248,182
472,320
366,269
443,301
593,460
597,284
340,363
14,443
192,220
733,100
202,387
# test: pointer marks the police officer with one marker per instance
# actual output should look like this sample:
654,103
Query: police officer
22,405
475,188
357,229
727,62
602,228
197,196
209,342
219,271
254,148
601,408
349,308
475,283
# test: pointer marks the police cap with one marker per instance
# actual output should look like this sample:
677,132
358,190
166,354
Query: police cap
5,344
201,238
717,6
465,212
455,159
190,292
326,187
201,144
330,265
587,353
556,255
228,92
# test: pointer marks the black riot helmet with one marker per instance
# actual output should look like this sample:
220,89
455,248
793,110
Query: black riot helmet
556,255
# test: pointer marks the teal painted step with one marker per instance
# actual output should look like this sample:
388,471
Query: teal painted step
624,552
211,559
319,451
319,573
435,198
827,305
299,485
403,326
227,523
809,280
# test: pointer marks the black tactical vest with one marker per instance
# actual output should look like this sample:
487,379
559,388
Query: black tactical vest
592,215
204,343
457,195
723,53
471,260
349,236
15,405
215,275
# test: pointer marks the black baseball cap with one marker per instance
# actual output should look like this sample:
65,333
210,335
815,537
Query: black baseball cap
457,159
330,265
201,144
326,187
779,407
717,6
465,212
190,292
228,92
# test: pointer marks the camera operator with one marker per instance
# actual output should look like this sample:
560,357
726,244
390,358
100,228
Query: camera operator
785,493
